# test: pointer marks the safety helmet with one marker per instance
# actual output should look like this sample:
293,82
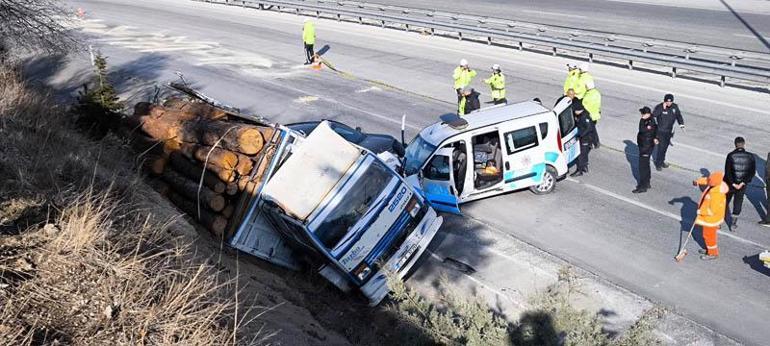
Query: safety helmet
463,62
496,67
585,67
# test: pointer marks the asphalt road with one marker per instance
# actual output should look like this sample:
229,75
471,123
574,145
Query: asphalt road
254,61
725,23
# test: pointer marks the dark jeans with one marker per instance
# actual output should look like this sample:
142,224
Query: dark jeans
665,141
596,135
585,149
738,194
644,171
309,53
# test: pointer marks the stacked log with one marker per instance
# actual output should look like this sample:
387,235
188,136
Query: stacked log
202,159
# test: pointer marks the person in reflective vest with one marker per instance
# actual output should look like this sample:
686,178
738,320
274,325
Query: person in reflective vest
584,77
592,101
469,101
308,38
496,82
573,76
711,211
463,76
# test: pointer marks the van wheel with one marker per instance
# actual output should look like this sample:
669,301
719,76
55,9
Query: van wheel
548,184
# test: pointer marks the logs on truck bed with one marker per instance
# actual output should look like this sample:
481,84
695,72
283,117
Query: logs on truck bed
193,171
200,109
215,223
226,175
246,139
189,189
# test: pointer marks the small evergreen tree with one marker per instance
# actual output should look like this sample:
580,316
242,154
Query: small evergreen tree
98,108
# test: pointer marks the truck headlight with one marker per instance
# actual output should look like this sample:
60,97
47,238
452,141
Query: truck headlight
413,207
362,271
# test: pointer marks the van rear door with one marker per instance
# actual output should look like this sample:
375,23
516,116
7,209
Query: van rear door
567,136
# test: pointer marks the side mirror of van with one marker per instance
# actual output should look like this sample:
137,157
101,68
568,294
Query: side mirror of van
359,129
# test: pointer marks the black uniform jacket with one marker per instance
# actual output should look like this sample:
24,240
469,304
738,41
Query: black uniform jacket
740,167
645,139
666,117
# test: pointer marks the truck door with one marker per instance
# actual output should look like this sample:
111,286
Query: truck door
567,136
438,182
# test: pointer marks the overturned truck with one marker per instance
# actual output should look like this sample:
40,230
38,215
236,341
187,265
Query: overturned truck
317,202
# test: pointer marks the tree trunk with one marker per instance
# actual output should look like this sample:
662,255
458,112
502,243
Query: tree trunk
244,165
228,211
216,156
213,222
200,109
188,168
246,139
189,189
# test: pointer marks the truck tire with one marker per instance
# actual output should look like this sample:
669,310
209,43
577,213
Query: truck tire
548,183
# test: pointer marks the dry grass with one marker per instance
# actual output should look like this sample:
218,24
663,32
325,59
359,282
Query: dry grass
82,261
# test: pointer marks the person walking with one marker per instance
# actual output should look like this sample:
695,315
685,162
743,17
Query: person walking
645,140
308,38
766,221
469,101
740,168
592,101
665,114
496,82
463,76
711,211
573,76
585,134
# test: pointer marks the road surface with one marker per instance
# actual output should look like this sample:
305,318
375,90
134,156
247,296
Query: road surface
254,60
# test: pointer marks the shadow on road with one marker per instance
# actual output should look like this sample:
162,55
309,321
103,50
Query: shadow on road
632,156
688,211
756,264
747,25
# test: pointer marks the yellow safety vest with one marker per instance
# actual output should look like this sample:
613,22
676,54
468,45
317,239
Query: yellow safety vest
308,33
592,101
463,77
580,89
497,84
573,77
461,106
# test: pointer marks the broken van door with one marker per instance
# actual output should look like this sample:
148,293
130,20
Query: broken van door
439,182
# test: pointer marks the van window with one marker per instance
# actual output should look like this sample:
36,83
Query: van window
438,168
522,139
543,130
566,122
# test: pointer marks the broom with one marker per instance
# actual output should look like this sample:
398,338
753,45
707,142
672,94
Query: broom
682,250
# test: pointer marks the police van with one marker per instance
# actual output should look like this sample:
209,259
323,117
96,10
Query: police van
493,151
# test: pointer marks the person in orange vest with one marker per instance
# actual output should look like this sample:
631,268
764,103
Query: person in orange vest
711,211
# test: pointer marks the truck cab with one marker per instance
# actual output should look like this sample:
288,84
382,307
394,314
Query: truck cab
338,209
493,151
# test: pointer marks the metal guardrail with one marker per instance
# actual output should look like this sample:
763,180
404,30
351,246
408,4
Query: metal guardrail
675,57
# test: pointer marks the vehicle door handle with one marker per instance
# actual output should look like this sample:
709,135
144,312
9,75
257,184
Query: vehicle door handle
507,166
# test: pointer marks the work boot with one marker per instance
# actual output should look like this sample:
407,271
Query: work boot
658,168
639,190
765,223
702,251
577,173
664,165
708,258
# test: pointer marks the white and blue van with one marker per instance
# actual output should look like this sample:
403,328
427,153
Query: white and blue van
493,151
335,208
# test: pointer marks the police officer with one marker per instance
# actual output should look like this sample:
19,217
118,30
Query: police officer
740,168
497,83
573,76
584,78
308,38
646,139
585,134
665,114
469,101
463,76
592,101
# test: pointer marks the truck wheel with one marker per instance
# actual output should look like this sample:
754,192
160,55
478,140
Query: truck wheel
548,184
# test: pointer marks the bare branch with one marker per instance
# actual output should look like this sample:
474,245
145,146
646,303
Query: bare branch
35,25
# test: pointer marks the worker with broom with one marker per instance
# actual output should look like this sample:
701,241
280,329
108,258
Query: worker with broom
711,211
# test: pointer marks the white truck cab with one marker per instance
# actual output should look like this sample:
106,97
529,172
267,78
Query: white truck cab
493,151
338,209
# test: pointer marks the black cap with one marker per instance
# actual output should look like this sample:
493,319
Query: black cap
577,106
645,110
668,97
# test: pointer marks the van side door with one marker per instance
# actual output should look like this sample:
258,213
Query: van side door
525,157
567,136
438,182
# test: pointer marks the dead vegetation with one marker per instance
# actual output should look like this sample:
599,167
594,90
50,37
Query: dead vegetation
82,259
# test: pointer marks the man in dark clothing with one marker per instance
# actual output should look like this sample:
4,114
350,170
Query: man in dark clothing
586,133
646,140
740,168
766,221
472,102
665,114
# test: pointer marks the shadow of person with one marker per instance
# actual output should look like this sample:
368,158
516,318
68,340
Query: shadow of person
323,50
756,264
688,211
756,191
632,156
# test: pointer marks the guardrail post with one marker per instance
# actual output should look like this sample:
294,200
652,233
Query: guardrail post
318,14
673,72
383,24
521,46
489,40
406,27
554,51
590,57
432,31
339,17
722,81
460,36
630,64
360,20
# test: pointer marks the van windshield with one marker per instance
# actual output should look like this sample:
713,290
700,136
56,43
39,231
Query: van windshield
416,154
356,203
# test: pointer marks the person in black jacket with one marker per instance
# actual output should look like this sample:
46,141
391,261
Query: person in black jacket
740,168
665,114
766,221
646,139
586,133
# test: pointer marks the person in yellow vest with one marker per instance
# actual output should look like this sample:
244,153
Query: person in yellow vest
592,101
469,101
583,78
308,38
497,83
573,76
463,77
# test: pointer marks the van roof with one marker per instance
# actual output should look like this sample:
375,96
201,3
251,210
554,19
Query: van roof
442,130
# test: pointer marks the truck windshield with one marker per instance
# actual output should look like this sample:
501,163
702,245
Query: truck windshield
357,202
416,154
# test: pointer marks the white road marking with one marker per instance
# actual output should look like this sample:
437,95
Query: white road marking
751,36
660,212
680,144
554,14
369,89
306,99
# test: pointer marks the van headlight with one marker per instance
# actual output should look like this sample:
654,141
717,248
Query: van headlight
362,271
